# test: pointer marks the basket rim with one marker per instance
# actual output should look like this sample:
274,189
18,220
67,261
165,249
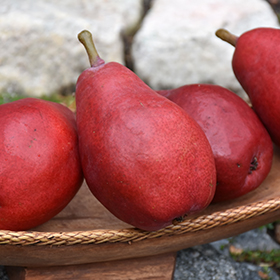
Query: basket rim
101,236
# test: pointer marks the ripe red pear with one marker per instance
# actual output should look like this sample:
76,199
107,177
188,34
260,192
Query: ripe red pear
256,65
143,157
40,170
241,145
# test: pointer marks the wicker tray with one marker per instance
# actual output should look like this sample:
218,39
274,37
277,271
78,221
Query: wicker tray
85,232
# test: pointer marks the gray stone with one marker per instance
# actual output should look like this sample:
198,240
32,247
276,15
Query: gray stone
256,239
3,274
40,53
204,262
176,43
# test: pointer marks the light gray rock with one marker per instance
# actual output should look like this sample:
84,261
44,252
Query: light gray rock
176,43
40,53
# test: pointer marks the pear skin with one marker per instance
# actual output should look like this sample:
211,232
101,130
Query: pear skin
143,157
241,145
256,65
40,169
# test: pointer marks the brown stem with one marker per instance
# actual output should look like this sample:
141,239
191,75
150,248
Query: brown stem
85,38
227,36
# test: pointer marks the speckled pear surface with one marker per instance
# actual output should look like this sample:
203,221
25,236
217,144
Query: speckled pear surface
40,170
143,157
256,65
241,145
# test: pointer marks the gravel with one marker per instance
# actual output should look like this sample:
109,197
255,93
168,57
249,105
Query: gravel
213,261
205,262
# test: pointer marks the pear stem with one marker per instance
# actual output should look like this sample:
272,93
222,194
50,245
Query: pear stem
227,36
85,38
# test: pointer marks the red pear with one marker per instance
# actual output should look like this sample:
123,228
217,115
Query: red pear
143,157
241,145
256,65
40,170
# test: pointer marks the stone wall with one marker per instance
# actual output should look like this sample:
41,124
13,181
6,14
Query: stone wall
174,44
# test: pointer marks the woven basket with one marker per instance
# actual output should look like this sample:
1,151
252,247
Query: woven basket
75,231
204,222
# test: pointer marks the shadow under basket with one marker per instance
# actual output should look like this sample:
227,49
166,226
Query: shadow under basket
86,234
